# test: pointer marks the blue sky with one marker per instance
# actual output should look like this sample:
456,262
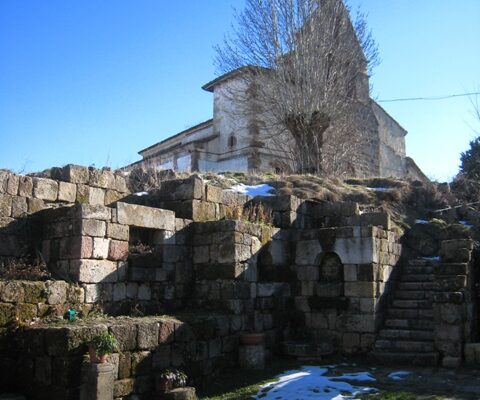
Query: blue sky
94,82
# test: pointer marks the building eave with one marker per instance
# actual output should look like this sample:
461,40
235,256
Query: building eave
192,129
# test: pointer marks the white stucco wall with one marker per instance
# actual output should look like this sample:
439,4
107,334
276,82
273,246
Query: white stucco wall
239,164
184,164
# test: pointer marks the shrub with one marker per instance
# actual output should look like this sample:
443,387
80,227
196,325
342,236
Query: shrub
470,160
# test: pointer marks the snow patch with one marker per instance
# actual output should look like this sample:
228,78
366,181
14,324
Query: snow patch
437,258
253,190
421,221
310,382
140,194
399,375
465,223
379,189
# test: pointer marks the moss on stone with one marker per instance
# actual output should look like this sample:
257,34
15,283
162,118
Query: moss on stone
34,292
25,312
7,313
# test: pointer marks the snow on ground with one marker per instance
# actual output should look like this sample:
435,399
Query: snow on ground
140,194
311,383
399,375
253,190
465,223
421,221
379,189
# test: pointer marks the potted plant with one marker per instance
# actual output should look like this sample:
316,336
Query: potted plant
101,346
170,378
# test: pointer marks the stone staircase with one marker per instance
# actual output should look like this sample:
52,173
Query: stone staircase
407,335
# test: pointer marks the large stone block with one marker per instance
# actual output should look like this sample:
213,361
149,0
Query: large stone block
11,292
118,231
126,335
5,205
356,250
145,217
102,178
19,207
120,184
56,292
92,227
100,248
25,186
96,196
360,289
376,219
75,247
118,250
67,192
12,184
45,189
147,337
308,252
72,173
4,175
93,271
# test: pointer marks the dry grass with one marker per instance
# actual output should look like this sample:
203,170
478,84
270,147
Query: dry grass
24,269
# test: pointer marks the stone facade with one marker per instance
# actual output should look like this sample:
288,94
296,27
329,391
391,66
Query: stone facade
316,280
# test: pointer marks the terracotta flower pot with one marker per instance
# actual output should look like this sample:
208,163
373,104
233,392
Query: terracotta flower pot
252,338
163,385
96,358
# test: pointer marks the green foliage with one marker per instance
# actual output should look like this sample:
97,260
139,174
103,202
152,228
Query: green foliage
470,160
105,343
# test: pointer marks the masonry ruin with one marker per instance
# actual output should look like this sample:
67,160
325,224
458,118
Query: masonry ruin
180,280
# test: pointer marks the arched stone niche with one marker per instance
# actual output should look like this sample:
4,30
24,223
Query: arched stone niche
330,268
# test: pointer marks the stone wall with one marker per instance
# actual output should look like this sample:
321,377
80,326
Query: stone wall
226,261
191,198
344,277
455,321
24,196
49,358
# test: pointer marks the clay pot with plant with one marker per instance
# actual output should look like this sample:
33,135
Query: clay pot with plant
170,378
252,338
101,346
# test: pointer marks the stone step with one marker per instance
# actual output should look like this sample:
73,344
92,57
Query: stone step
412,304
406,334
404,345
422,262
417,278
405,358
413,294
417,262
428,269
416,285
414,324
410,313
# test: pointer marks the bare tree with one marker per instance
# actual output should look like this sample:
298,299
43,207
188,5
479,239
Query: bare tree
303,68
